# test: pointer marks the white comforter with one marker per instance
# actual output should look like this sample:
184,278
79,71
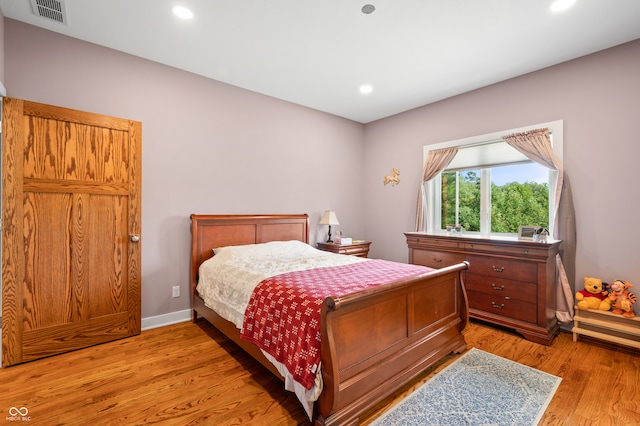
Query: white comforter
227,281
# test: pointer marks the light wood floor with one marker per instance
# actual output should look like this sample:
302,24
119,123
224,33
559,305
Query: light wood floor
190,374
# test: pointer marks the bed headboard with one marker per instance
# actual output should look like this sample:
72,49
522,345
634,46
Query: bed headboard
210,231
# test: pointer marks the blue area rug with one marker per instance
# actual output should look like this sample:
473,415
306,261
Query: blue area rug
477,389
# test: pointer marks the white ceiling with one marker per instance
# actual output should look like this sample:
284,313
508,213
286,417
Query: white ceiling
318,53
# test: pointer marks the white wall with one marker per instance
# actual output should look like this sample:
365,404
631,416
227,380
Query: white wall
212,148
207,147
597,96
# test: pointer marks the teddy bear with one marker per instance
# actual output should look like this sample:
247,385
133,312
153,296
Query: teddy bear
622,299
593,296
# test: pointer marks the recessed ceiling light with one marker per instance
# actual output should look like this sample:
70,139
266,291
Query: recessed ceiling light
368,9
366,88
182,12
560,5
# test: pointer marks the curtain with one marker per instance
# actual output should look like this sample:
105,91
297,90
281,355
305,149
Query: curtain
566,260
536,145
437,161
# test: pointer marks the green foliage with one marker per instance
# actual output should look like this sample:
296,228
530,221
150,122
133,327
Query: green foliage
512,204
516,204
448,213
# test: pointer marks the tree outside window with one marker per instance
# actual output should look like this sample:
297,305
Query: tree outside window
517,201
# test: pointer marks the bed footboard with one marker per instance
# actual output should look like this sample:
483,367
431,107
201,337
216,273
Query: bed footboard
376,341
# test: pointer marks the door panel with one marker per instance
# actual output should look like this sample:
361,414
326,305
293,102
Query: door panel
46,277
108,266
71,198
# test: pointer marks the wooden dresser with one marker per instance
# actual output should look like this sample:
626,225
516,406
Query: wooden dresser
360,248
509,282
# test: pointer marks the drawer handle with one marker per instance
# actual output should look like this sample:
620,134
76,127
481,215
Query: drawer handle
495,305
496,269
437,260
495,287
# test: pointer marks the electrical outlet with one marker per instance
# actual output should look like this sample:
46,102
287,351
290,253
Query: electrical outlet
176,291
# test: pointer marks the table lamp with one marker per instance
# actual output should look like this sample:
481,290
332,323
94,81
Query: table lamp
329,218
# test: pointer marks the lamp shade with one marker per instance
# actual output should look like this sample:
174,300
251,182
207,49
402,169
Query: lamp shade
329,218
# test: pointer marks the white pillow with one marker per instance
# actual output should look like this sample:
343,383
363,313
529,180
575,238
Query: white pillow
270,249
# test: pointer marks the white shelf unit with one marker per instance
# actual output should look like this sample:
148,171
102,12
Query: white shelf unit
607,326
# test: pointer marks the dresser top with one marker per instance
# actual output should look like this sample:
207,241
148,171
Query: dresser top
472,237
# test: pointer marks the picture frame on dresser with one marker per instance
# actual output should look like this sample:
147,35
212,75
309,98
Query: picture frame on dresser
526,233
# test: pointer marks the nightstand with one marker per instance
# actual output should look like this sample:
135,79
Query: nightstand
359,248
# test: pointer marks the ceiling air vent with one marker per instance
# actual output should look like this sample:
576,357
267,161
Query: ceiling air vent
53,10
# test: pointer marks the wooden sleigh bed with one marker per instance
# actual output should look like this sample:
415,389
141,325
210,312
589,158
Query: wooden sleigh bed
372,342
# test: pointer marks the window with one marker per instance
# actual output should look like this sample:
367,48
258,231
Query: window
517,194
490,188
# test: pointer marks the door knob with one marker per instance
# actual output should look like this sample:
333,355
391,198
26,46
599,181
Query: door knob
134,238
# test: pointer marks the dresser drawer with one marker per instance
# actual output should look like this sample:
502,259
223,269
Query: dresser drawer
511,308
503,268
435,243
435,259
499,287
359,250
534,251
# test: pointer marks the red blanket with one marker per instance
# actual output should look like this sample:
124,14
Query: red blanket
283,315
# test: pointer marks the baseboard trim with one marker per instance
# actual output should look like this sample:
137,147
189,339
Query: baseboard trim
166,319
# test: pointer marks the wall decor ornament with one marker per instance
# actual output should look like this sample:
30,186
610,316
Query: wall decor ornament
394,178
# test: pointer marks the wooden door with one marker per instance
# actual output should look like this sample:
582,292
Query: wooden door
70,229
